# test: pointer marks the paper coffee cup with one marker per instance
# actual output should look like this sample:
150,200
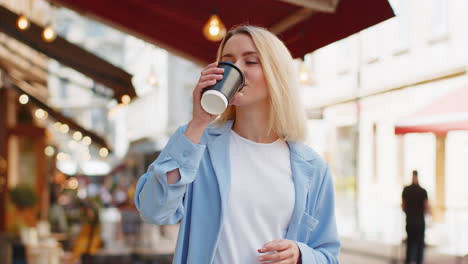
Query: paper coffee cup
216,98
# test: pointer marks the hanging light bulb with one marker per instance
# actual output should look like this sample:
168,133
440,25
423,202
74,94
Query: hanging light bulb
304,74
23,23
214,29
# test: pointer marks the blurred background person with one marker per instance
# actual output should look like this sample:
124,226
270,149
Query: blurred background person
415,205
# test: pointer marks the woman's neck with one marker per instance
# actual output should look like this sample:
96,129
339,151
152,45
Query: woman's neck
252,123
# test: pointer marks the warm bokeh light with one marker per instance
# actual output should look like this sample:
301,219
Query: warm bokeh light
41,114
304,74
77,135
49,151
87,141
126,99
103,152
22,23
214,29
62,156
72,183
64,128
57,125
49,34
24,99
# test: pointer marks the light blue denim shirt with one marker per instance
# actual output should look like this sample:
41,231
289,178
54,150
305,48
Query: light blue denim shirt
199,198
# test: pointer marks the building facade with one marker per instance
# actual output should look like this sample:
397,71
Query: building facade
365,85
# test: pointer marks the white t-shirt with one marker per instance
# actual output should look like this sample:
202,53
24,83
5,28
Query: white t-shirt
261,199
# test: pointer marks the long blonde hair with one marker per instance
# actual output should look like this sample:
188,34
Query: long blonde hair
287,116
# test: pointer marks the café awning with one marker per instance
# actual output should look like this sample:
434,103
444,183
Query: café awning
70,55
447,113
176,25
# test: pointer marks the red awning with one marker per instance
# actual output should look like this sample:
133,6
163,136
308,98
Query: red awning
447,113
176,25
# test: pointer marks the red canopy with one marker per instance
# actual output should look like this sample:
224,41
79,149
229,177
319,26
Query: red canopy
447,113
176,25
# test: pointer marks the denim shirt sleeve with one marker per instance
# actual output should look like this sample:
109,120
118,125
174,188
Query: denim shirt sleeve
324,245
157,201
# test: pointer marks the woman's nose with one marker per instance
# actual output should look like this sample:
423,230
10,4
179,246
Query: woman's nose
240,65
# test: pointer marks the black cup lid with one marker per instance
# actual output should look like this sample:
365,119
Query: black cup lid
235,67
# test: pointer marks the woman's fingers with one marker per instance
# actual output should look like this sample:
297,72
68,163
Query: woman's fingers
206,83
282,251
214,70
211,77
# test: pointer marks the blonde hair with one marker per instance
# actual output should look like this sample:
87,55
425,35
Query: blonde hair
287,117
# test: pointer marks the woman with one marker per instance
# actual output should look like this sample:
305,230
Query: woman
244,188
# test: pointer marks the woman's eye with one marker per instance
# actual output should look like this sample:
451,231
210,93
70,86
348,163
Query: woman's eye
251,62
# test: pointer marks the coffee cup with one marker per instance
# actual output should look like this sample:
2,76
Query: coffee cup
216,98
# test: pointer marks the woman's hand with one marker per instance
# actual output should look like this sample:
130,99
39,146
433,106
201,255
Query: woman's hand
287,252
200,118
208,77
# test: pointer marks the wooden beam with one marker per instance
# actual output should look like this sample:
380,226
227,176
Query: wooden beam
292,20
326,6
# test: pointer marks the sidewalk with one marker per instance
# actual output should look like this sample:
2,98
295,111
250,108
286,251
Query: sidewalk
356,251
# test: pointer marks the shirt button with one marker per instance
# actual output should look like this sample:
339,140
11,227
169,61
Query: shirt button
185,154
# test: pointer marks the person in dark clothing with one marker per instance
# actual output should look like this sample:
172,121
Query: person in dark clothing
415,205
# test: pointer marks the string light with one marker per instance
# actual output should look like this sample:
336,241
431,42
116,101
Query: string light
126,99
64,128
49,151
57,125
103,152
22,23
87,140
41,114
49,34
214,29
77,135
62,156
23,99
